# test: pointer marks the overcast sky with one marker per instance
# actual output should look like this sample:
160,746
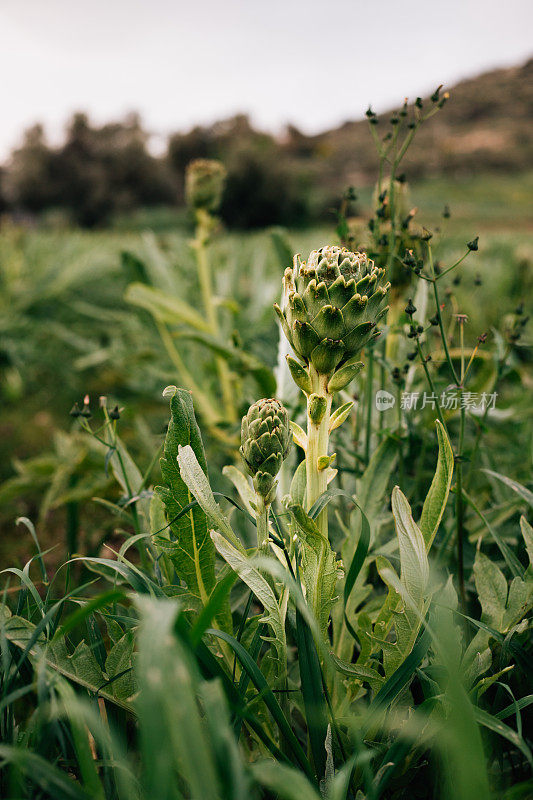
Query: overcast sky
310,62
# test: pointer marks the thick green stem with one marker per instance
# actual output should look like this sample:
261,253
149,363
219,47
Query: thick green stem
430,383
208,300
317,446
483,420
368,400
262,524
459,507
459,512
393,319
207,409
401,466
439,315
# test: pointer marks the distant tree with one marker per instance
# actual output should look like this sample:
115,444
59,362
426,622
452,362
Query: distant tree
97,172
29,181
264,183
263,189
4,205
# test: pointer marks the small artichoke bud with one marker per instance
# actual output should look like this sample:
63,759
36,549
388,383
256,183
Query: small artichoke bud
266,439
316,408
204,184
331,305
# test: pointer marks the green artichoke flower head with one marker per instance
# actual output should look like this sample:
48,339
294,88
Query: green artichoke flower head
204,184
266,439
331,305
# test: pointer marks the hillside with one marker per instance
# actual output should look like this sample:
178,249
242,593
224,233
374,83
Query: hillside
101,171
485,126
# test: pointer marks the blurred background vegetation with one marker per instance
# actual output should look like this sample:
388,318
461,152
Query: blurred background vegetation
101,173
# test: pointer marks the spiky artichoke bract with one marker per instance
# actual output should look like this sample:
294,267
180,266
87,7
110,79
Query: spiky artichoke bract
331,306
265,443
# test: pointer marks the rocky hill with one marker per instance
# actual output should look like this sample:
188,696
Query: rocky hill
487,125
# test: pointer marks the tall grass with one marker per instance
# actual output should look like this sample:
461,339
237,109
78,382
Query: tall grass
355,626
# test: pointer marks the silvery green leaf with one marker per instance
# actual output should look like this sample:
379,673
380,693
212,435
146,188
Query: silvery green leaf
413,557
339,415
196,481
243,565
436,498
408,598
243,486
517,487
320,569
165,308
527,533
491,587
298,485
191,549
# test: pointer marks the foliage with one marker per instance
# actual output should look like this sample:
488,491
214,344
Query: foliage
358,628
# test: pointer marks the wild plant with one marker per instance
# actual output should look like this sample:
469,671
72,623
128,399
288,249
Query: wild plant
178,321
302,638
353,698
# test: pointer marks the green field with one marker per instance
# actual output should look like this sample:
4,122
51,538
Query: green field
64,290
348,667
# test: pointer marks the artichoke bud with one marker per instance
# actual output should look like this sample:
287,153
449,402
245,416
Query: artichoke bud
266,439
204,184
316,408
331,305
323,462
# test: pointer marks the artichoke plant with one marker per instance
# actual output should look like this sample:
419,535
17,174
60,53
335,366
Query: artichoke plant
266,439
393,230
381,200
204,184
331,305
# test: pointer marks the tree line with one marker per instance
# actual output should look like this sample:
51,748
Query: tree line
101,171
